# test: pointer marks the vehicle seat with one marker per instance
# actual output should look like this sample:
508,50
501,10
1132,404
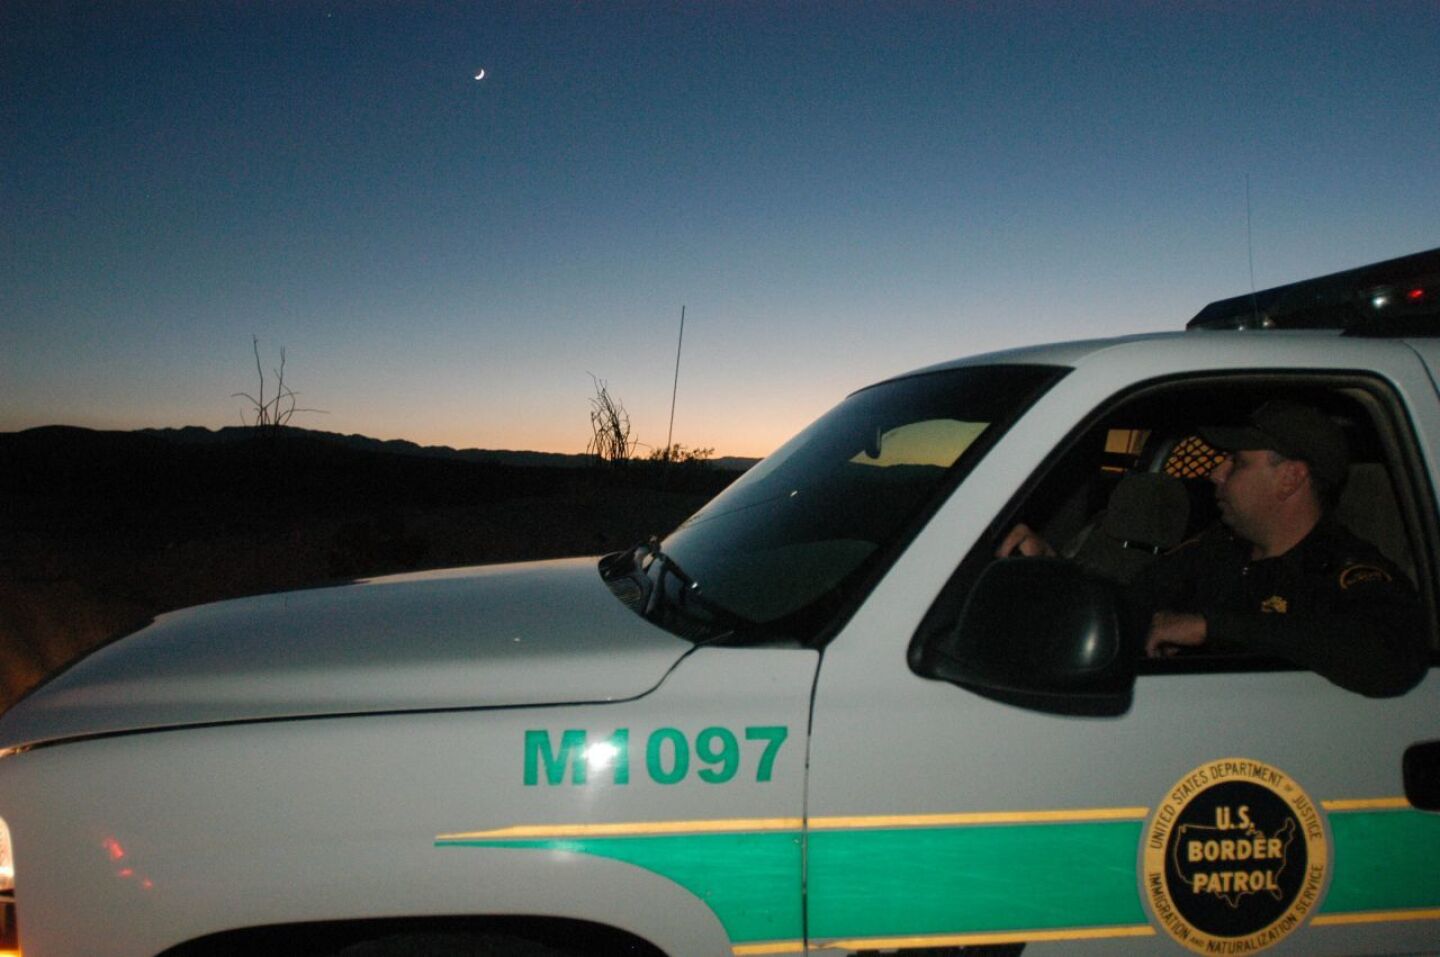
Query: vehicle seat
1145,517
1368,508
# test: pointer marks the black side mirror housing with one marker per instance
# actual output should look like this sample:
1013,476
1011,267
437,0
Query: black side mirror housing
1421,767
1040,633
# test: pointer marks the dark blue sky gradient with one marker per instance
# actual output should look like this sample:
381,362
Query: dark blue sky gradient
836,191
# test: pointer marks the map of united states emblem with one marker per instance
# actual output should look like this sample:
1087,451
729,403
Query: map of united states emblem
1228,865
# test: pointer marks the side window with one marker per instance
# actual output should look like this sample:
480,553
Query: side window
1136,485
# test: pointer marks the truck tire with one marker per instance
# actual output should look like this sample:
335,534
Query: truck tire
450,945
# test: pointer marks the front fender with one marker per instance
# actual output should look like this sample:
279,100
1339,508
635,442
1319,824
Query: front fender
133,844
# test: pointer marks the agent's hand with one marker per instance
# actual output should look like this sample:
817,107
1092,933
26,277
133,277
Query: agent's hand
1025,541
1170,631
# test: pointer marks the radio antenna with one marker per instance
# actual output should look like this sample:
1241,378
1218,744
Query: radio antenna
675,390
1250,250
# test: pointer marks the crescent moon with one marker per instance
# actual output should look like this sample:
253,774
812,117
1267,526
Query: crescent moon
480,75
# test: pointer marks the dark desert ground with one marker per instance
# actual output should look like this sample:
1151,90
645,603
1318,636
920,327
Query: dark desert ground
101,531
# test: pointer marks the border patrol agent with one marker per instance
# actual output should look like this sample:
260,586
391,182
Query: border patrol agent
1280,576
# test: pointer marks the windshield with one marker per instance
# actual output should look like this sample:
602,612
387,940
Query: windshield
791,544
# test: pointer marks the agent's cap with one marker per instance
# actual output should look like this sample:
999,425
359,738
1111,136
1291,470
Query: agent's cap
1294,430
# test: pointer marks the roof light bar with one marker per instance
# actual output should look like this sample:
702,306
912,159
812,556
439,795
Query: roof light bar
1390,298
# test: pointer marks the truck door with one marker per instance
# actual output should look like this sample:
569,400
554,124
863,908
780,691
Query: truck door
1220,806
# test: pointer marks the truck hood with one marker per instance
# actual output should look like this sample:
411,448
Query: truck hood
505,635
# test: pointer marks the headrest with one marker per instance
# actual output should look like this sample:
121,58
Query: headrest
1146,516
1148,509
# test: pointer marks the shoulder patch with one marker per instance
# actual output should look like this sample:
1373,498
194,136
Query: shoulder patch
1361,574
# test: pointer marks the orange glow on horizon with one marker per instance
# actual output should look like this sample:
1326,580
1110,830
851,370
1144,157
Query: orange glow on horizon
748,444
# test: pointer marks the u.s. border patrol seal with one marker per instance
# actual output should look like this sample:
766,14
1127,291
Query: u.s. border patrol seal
1235,858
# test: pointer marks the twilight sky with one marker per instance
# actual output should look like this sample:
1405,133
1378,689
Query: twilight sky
836,191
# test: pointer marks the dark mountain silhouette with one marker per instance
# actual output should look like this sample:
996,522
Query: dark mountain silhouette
196,435
100,531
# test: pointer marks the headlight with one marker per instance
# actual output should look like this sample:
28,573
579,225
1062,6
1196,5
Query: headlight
7,860
9,937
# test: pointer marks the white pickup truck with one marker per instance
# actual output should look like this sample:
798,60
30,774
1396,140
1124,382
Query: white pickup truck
819,717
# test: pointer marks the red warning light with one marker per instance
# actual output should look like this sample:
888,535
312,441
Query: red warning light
1416,294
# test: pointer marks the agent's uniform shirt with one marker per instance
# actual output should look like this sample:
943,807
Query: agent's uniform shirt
1333,604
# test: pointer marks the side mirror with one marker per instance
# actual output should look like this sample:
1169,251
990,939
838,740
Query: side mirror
1040,633
1421,767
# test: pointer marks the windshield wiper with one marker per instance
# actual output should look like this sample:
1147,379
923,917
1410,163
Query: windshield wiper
667,566
644,569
